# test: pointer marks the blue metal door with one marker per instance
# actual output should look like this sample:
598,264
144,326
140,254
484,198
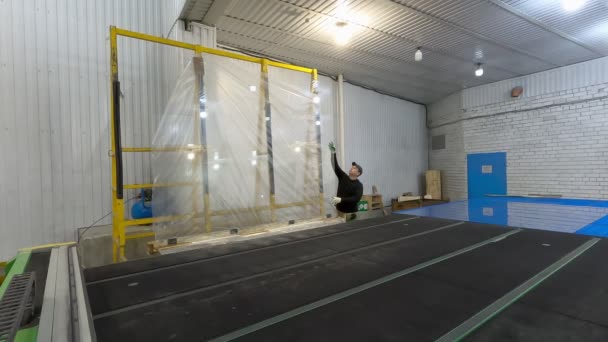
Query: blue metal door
487,174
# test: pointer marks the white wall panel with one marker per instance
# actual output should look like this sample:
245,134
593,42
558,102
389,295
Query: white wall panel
388,137
54,137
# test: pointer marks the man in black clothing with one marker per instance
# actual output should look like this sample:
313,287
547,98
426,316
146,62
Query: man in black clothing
350,189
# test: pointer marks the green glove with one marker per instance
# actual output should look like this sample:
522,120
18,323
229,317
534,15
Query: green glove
332,147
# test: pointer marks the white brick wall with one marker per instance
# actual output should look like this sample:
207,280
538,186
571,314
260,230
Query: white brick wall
451,161
556,143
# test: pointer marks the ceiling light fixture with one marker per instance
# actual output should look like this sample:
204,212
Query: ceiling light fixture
418,55
252,88
479,70
572,5
316,99
343,33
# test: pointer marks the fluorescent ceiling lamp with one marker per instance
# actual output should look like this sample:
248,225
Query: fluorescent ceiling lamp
418,55
479,70
572,5
342,33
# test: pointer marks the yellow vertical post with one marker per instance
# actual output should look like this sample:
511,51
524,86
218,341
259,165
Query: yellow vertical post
270,153
196,109
260,148
118,228
317,119
201,132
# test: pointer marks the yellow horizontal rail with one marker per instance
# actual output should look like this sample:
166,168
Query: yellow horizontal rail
197,148
149,38
140,235
259,208
151,220
157,185
294,204
204,49
50,245
291,67
238,210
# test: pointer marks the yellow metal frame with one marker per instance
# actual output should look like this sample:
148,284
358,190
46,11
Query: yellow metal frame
119,222
50,245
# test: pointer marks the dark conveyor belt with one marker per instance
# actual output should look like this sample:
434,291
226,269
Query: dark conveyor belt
117,270
207,313
155,284
572,305
427,304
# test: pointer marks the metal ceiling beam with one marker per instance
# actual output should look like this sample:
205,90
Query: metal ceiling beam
514,11
399,37
466,31
217,10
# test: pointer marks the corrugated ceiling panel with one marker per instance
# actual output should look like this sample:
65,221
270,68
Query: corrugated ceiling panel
388,82
454,34
198,9
587,24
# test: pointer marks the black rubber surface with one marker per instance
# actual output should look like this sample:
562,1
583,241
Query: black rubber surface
202,294
572,305
150,285
213,312
116,270
431,302
39,263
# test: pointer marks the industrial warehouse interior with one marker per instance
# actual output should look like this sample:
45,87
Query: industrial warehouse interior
303,170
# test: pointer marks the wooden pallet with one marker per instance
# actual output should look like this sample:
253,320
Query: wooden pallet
374,201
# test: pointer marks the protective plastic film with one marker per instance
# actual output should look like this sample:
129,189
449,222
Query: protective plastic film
295,127
236,140
260,158
177,159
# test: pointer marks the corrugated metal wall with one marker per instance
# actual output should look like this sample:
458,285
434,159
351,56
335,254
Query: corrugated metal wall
54,140
388,137
569,77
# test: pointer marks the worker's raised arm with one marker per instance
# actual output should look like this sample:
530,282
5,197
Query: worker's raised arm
334,161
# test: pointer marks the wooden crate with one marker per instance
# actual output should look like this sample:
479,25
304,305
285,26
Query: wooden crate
414,204
374,202
433,184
